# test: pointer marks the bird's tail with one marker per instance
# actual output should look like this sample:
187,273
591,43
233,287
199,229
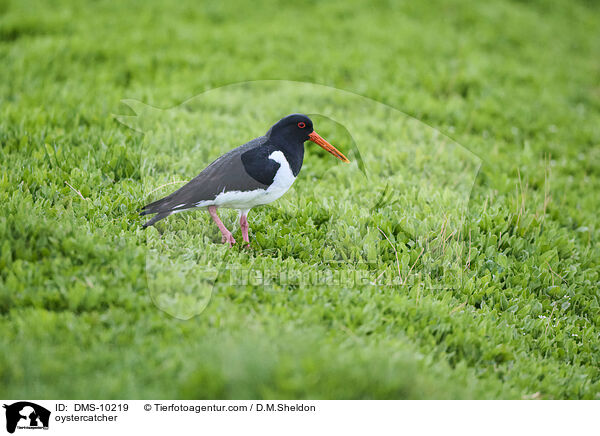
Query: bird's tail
160,208
156,218
156,206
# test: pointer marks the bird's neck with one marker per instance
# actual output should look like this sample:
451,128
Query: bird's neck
292,149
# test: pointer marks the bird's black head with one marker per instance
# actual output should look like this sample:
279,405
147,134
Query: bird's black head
294,128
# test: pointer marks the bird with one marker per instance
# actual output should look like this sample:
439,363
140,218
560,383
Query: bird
253,174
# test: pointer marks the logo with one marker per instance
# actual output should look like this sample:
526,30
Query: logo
26,415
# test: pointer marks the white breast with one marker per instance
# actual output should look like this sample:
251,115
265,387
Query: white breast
283,180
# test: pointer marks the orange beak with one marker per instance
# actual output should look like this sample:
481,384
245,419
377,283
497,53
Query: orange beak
316,138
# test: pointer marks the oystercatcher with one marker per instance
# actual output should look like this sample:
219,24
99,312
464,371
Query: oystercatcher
256,173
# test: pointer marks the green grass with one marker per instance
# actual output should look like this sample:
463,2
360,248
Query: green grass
506,307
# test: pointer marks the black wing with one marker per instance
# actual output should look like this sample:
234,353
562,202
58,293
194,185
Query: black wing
227,173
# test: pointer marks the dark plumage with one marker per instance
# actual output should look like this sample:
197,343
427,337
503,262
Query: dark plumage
224,174
255,173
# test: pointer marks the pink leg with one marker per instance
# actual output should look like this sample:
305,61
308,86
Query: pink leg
244,226
227,236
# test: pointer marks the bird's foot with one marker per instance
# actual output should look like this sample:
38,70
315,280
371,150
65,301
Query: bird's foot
227,238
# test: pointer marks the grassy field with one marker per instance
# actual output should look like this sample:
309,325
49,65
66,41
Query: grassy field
503,300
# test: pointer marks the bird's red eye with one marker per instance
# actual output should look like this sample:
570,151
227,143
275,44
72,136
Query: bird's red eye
301,125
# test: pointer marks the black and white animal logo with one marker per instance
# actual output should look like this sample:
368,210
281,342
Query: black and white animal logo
26,415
